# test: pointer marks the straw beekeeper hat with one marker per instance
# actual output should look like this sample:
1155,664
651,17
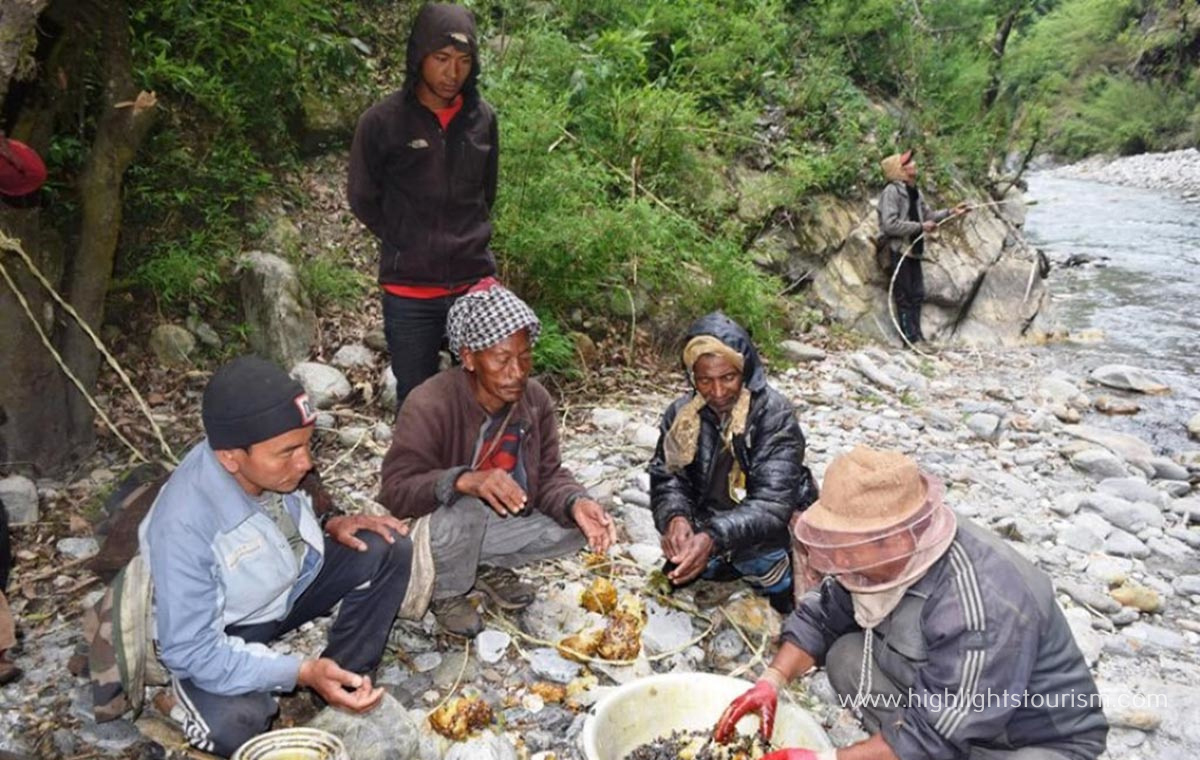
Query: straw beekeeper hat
867,490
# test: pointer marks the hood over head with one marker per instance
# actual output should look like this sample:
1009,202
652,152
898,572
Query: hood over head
436,26
733,335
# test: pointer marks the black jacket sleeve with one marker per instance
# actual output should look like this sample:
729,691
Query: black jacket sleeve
364,189
492,170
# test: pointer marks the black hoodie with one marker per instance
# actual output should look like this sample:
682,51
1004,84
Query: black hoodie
770,452
427,193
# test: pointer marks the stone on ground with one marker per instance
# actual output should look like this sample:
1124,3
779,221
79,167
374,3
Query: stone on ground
1127,378
353,355
172,345
801,353
20,498
1099,464
326,385
386,733
282,323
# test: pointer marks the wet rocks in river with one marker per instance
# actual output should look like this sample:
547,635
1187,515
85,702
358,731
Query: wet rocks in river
1127,378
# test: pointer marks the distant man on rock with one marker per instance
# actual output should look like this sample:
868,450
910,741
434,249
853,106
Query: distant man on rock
945,641
904,222
423,169
728,472
475,453
237,557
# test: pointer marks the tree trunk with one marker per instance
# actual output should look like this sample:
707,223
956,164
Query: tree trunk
124,122
18,30
45,425
1004,27
33,428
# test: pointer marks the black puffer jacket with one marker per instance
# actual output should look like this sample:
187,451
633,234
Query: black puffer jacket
426,193
770,452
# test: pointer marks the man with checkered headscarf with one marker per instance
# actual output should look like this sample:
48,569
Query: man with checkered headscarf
475,457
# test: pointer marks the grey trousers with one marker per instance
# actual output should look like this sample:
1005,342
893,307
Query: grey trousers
843,664
468,534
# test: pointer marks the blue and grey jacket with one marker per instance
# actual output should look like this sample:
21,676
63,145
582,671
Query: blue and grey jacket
216,560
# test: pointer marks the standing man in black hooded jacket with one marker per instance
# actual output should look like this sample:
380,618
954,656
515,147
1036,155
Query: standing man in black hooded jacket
422,178
728,473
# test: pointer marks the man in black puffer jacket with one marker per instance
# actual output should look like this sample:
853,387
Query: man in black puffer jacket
728,472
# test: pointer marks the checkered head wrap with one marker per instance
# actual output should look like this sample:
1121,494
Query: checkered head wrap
487,314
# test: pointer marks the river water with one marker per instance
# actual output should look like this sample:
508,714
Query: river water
1141,298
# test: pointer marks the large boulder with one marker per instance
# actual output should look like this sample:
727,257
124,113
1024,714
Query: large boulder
282,323
1193,426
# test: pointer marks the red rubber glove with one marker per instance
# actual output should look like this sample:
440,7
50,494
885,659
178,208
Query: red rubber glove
761,699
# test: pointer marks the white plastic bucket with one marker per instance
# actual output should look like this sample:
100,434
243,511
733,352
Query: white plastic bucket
293,744
645,709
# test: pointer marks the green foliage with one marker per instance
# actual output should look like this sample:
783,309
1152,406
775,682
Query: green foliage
331,278
619,119
229,76
1120,115
554,351
592,96
1112,76
187,269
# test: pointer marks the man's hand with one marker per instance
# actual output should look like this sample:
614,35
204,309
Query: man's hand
691,560
929,226
762,700
343,527
338,687
495,487
961,208
679,532
596,523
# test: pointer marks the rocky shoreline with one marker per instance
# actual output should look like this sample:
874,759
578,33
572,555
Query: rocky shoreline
1177,171
1023,449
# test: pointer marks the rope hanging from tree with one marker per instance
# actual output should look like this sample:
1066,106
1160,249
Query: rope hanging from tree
10,244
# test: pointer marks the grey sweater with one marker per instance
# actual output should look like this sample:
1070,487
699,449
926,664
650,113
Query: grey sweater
895,212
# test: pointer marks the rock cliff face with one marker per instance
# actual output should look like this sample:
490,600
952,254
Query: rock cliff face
984,284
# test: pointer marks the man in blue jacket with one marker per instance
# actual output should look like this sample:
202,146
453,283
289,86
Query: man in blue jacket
238,558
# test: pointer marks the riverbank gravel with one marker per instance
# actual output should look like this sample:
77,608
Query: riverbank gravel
1177,171
1111,519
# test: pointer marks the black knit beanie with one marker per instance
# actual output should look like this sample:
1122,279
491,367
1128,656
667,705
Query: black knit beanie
250,400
